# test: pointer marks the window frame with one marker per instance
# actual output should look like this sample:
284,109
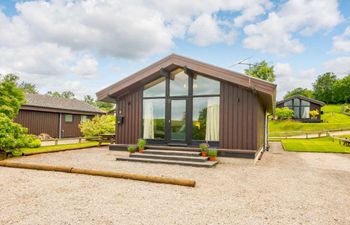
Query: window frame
65,118
299,106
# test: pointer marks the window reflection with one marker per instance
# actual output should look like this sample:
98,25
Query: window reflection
178,83
205,86
154,118
155,88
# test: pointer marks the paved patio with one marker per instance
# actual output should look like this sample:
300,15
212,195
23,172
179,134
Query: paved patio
283,188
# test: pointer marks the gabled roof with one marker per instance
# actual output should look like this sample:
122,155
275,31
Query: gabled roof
265,90
302,98
38,102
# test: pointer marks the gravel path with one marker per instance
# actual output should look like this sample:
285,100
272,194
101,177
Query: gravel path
283,188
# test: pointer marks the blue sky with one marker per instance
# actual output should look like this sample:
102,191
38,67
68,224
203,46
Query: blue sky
85,46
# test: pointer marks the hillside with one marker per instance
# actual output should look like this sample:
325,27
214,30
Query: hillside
332,117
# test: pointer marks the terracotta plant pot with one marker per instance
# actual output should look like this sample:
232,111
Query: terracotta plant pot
141,150
212,158
204,154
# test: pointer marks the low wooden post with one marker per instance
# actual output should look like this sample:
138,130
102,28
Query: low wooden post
79,140
307,135
56,141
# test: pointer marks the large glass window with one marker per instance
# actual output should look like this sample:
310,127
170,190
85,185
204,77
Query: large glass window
206,117
178,83
301,108
154,118
205,86
155,88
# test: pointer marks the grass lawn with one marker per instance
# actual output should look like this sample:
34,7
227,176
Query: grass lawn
324,144
28,151
333,120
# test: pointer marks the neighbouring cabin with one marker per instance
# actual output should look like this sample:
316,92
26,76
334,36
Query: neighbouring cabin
301,107
179,101
57,117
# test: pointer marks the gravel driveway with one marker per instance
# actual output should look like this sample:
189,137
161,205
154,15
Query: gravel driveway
283,188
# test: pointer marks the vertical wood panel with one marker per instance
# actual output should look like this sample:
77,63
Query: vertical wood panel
242,118
130,106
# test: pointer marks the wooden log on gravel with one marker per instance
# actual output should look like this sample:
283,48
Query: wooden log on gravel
65,169
139,177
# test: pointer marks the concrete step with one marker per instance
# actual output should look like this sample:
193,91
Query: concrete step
173,148
170,157
173,162
170,152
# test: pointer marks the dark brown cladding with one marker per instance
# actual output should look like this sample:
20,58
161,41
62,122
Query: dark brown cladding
39,122
129,106
242,118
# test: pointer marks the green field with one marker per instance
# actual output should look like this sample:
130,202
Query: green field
324,144
332,117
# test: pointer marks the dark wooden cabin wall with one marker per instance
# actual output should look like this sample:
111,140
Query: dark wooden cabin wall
260,113
71,129
240,118
39,122
130,107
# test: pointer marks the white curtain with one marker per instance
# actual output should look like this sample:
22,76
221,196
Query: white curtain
148,120
212,129
305,112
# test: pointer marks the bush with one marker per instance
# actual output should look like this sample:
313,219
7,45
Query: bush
212,152
13,136
132,148
98,125
314,113
204,147
141,143
284,113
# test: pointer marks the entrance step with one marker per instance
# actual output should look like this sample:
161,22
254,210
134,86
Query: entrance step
170,157
172,148
174,162
171,152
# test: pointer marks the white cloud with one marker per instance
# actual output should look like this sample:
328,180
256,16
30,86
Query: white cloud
205,30
305,17
288,79
342,42
86,66
339,65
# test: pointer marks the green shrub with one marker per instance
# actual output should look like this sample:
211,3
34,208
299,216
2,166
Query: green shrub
141,143
13,136
132,148
212,152
314,113
98,125
204,147
284,113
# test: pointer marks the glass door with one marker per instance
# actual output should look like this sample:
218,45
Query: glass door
178,124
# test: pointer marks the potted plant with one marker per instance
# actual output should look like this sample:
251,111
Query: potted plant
141,144
204,149
132,149
212,153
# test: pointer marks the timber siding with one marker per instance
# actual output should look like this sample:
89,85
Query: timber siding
39,122
130,107
241,118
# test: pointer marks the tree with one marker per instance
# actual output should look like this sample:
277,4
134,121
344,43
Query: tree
64,94
105,106
28,87
11,97
98,125
261,70
12,135
323,87
299,91
284,113
341,90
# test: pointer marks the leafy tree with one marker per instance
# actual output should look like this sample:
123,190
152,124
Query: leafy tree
261,70
299,91
314,113
64,94
341,90
284,113
98,125
105,106
28,87
323,87
12,135
11,97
